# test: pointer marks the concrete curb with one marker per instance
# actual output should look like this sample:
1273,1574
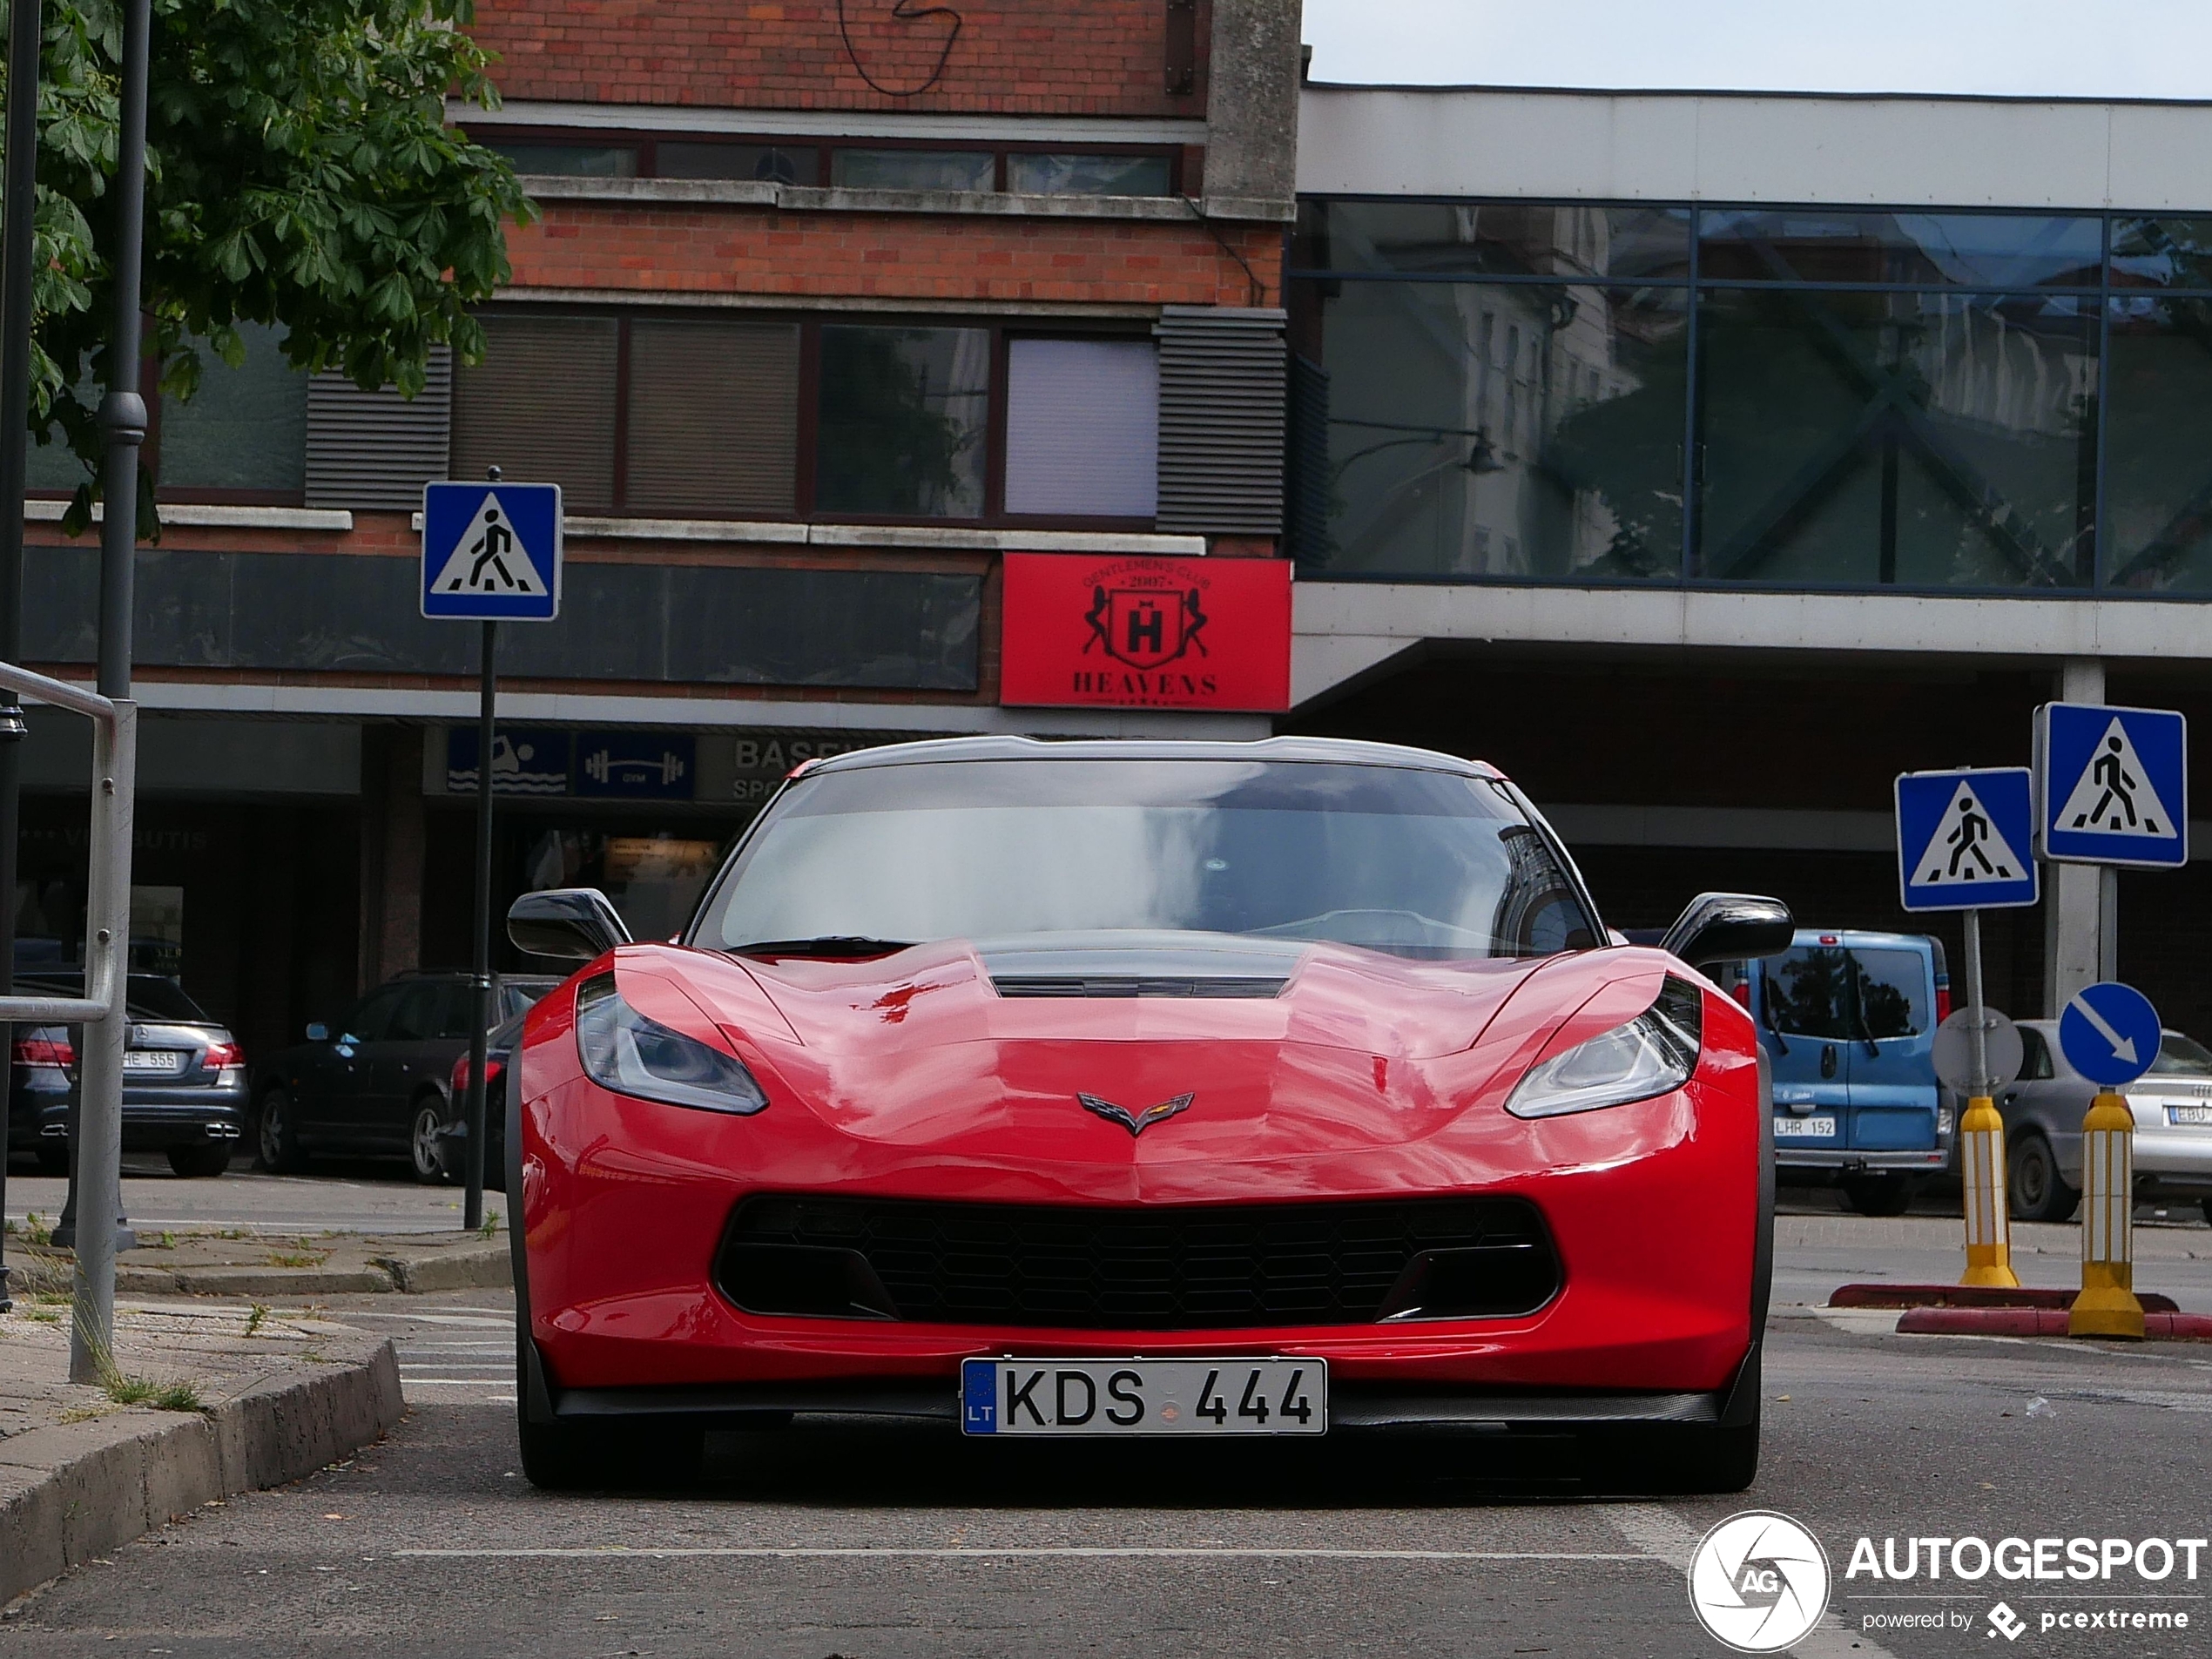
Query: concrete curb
477,1267
75,1491
2039,1322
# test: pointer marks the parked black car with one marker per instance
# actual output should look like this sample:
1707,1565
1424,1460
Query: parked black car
499,1056
183,1089
373,1083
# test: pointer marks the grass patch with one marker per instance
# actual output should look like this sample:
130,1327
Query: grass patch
253,1319
53,1299
35,1231
297,1257
144,1391
490,1229
164,1240
43,1315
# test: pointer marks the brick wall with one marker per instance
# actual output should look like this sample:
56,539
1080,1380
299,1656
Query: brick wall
737,250
1017,58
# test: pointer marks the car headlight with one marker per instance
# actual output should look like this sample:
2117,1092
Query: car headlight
1653,1054
624,1051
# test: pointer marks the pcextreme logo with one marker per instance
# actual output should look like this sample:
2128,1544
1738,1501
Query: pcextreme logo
1759,1581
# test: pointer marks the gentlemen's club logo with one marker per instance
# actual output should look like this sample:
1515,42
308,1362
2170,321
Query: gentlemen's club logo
1146,627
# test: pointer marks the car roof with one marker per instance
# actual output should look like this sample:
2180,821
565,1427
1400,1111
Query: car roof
1341,751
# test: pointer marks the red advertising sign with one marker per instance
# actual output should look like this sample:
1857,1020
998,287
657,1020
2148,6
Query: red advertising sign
1124,631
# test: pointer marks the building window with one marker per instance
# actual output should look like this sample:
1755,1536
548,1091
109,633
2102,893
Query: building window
903,417
1083,429
913,169
1860,398
687,416
243,432
849,164
541,406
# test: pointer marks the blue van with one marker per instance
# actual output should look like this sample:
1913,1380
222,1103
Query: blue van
1848,1019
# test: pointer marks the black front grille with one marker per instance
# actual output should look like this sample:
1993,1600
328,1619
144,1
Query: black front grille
1155,1268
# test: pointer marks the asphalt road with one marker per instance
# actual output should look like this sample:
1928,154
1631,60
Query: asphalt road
858,1540
349,1197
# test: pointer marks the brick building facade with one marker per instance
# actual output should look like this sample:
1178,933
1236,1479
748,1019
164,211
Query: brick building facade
826,312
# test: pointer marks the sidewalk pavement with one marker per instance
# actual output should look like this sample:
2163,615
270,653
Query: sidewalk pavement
232,1262
201,1402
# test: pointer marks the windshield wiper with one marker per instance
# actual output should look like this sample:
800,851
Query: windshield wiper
822,944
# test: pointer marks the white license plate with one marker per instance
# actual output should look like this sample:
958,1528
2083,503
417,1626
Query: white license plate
1804,1129
2192,1115
164,1060
1217,1397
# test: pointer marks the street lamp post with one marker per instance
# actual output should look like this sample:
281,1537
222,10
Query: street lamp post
18,211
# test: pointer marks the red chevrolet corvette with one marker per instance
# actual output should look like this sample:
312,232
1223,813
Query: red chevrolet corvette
1133,1088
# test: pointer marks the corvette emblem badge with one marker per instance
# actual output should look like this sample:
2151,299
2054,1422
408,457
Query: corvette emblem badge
1135,1122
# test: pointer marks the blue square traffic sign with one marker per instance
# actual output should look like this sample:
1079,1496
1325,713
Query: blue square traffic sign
2111,785
1963,838
491,552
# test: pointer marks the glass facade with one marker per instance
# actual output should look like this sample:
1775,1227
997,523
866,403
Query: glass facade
1797,398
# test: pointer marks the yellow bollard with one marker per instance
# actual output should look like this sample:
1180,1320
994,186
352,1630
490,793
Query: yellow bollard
1982,1164
2106,1306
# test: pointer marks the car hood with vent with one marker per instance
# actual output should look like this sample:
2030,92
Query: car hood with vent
974,1056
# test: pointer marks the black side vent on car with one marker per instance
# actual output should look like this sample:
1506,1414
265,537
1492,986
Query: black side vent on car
1134,985
1179,1267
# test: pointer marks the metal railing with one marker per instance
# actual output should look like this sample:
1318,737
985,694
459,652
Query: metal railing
101,1010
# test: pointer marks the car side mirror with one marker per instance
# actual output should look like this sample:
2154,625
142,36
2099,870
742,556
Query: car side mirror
573,923
317,1032
1730,927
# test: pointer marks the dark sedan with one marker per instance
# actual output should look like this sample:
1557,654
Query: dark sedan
373,1083
183,1088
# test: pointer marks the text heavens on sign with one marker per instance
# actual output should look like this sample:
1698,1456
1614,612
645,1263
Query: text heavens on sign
1135,632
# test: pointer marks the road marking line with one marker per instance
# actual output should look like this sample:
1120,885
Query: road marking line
1040,1551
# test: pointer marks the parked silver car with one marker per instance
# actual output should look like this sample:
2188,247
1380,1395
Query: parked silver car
2172,1104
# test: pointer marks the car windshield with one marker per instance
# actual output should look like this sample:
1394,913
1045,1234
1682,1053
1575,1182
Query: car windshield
1416,863
2180,1056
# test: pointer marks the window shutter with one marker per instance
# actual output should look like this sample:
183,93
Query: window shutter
1083,427
541,407
377,448
1221,419
713,418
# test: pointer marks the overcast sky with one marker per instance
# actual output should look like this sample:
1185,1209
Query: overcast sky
2087,47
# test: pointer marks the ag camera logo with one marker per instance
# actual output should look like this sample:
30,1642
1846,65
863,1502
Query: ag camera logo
1759,1581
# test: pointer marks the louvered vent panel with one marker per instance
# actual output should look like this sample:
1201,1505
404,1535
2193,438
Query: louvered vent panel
377,448
1221,419
541,407
713,418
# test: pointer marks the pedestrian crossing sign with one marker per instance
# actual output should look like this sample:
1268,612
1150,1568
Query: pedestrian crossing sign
491,552
2111,784
1963,839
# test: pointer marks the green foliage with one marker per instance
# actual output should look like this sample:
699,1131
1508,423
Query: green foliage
299,173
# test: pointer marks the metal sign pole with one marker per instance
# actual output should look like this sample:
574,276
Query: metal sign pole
472,1211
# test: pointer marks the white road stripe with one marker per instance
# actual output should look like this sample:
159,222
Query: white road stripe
1042,1552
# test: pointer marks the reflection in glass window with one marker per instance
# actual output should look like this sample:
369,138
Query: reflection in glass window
1508,238
2162,253
572,160
1489,430
1969,250
777,164
1892,991
1049,175
245,428
913,169
1925,439
2158,449
903,419
1807,991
